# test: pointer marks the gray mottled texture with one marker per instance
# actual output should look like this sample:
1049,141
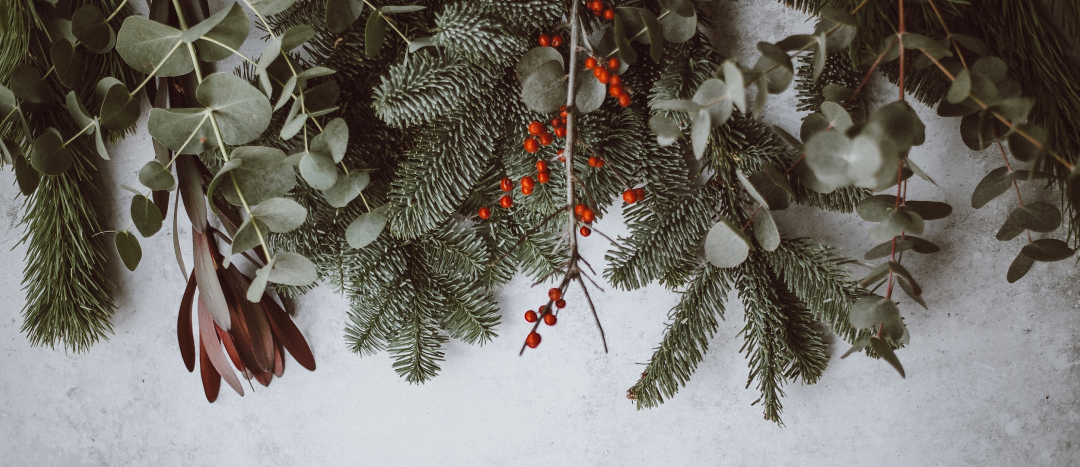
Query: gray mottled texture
992,367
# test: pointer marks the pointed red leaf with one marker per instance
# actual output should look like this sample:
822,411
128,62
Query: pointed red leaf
264,378
279,360
210,291
287,332
211,380
184,335
213,348
230,348
250,332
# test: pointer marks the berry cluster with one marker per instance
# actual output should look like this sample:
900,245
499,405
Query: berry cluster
540,136
633,195
545,40
545,313
604,72
600,10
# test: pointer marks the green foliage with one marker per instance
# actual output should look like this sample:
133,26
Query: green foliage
426,87
460,29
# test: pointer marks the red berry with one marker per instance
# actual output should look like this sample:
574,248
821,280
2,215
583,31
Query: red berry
560,132
530,316
594,161
615,81
505,184
526,191
556,41
580,209
597,7
485,213
562,159
554,293
640,192
557,122
602,75
546,138
541,166
609,14
560,303
562,114
585,231
624,100
544,40
543,177
550,319
506,201
531,145
590,63
527,182
615,91
536,128
613,63
533,340
629,196
600,163
588,216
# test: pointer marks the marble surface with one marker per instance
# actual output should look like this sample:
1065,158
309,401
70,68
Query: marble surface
992,367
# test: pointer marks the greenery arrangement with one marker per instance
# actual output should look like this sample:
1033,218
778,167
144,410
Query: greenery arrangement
418,159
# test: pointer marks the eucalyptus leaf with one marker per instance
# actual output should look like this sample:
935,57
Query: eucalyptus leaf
365,229
1047,250
28,84
1037,217
667,132
991,67
245,238
230,26
127,246
765,230
838,118
788,138
973,131
885,351
347,188
837,93
856,347
270,7
258,284
678,28
318,170
900,221
49,156
777,76
713,97
89,26
241,111
677,105
726,245
839,26
898,122
79,113
262,175
871,311
914,41
1019,267
590,93
820,54
298,35
545,89
119,110
994,184
146,45
69,65
626,52
280,214
186,131
145,215
341,14
876,208
533,59
26,176
699,133
219,177
333,140
1022,148
157,177
374,34
736,88
393,9
929,210
293,269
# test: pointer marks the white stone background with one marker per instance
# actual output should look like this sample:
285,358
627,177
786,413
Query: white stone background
991,366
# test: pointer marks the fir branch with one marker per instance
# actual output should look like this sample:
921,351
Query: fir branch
691,323
461,30
426,87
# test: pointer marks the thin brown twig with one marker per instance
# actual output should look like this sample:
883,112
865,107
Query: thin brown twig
595,316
